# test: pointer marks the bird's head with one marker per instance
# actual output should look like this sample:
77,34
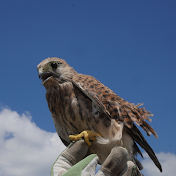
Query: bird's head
54,69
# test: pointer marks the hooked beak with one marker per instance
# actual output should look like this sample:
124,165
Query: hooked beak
44,75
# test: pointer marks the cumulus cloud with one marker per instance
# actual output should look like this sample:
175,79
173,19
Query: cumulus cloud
167,160
25,149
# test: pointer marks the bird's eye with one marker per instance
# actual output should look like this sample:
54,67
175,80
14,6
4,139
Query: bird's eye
54,65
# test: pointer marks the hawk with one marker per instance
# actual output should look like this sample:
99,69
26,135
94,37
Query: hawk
81,106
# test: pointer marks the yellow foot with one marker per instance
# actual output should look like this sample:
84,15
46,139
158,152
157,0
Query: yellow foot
89,136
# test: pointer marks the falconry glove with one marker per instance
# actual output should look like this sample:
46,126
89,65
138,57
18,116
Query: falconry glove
72,162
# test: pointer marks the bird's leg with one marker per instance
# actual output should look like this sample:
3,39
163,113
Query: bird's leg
89,136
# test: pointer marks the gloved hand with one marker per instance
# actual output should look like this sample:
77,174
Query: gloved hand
71,162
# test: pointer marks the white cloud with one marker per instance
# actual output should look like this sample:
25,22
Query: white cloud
167,160
25,149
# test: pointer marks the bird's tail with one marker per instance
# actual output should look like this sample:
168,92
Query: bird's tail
138,137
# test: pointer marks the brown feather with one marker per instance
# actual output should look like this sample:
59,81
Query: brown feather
122,110
138,137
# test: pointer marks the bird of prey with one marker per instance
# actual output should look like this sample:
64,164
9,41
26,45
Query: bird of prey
81,106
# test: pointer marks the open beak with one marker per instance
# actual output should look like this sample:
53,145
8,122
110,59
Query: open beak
44,75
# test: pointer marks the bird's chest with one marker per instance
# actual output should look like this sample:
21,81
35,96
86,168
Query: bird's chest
71,110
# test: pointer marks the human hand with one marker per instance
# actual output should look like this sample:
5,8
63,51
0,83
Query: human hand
72,162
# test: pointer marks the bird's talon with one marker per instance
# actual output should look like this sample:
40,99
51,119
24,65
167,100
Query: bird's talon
89,136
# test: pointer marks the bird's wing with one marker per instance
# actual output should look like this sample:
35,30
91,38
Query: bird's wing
120,110
93,96
112,105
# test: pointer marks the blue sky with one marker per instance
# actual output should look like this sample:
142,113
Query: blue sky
130,46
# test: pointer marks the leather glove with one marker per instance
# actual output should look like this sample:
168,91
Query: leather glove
72,162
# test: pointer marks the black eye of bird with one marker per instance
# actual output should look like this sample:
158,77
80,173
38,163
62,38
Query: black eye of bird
54,65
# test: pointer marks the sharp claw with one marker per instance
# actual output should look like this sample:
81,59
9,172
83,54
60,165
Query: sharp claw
89,136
